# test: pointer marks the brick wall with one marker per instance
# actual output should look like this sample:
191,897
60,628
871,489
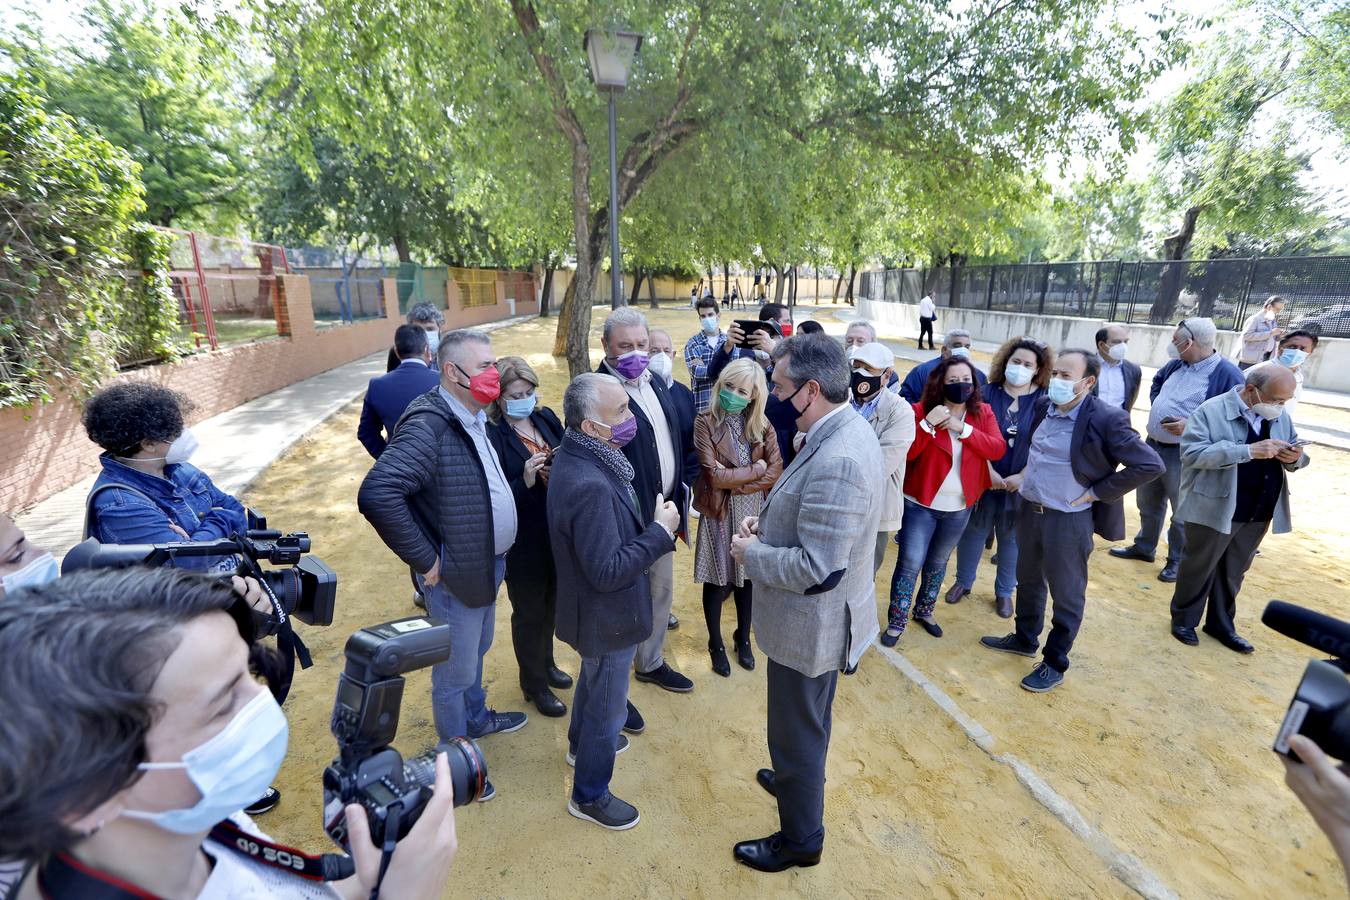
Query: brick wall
44,449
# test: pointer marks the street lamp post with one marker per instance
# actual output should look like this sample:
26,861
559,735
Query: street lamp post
611,55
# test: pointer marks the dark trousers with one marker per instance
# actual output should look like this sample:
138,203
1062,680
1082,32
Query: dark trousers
1211,573
714,595
534,596
1053,550
1152,499
799,738
599,709
926,327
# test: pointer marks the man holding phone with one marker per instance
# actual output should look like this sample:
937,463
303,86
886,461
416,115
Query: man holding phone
1235,453
1197,373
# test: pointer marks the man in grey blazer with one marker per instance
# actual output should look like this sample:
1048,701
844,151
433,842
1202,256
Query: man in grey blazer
1236,453
809,554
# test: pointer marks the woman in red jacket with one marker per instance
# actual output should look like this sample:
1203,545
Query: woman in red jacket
956,439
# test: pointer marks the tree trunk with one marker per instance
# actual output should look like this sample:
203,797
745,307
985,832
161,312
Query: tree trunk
726,279
838,286
1174,249
638,276
547,293
778,283
651,290
852,277
401,247
792,294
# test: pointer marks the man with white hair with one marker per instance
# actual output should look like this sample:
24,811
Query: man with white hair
1196,373
1236,454
657,454
957,343
859,334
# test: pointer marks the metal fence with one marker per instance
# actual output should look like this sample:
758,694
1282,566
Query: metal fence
344,286
226,287
1317,289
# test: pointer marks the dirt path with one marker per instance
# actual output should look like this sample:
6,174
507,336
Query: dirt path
1163,749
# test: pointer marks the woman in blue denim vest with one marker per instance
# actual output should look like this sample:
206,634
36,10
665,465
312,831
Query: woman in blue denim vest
147,492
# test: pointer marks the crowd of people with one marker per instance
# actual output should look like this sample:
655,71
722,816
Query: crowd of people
789,463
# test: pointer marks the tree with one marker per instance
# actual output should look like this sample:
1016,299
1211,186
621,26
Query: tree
161,87
1098,217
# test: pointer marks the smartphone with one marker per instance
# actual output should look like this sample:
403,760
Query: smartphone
1301,442
750,326
1168,420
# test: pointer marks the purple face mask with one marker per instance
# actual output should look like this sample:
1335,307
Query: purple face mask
623,432
633,364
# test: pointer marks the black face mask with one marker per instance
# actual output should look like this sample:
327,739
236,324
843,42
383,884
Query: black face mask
864,386
957,391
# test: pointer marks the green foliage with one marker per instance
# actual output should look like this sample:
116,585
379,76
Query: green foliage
144,321
160,86
1099,218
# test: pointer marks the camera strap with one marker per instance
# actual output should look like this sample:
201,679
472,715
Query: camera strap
63,876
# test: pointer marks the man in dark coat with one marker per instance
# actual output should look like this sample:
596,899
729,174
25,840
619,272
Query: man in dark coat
1084,458
604,550
438,498
389,395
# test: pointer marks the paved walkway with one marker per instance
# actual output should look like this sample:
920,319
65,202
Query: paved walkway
902,343
236,446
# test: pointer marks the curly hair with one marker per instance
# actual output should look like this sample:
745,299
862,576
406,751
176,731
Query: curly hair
120,418
932,389
84,652
1037,349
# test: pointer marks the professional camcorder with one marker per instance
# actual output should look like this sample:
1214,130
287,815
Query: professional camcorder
365,719
1320,709
305,588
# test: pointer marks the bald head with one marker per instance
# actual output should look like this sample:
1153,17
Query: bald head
1276,383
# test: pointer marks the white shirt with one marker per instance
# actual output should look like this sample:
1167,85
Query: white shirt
927,308
641,392
1111,382
950,496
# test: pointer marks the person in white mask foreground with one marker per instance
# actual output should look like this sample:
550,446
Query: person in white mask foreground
137,690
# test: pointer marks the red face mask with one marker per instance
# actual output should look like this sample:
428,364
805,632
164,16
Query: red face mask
484,387
787,328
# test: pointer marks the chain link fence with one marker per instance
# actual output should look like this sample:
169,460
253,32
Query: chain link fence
1317,289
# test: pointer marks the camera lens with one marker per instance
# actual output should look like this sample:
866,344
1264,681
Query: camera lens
468,769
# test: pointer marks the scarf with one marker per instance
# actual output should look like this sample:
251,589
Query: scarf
613,459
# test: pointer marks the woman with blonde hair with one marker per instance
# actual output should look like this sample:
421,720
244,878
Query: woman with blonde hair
739,461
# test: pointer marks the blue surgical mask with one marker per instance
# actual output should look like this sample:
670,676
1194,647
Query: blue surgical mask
1017,374
960,352
521,407
35,574
709,324
1292,357
231,770
1061,391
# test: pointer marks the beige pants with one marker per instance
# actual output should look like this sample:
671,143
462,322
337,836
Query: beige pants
663,596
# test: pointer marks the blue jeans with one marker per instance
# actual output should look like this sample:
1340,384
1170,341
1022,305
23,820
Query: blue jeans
984,518
599,709
458,701
927,538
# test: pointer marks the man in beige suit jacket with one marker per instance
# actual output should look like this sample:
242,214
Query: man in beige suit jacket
809,555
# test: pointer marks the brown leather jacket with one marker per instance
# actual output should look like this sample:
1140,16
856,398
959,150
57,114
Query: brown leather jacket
715,444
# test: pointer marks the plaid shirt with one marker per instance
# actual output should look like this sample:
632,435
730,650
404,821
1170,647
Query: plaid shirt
698,353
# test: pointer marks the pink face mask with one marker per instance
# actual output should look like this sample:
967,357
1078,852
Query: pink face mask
624,431
632,364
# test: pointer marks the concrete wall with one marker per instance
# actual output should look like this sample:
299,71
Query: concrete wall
1328,369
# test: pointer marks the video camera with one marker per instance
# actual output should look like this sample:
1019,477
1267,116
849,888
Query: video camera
306,588
365,719
1320,709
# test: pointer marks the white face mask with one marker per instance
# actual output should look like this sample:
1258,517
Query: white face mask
961,352
180,450
661,365
35,574
709,324
1268,411
1172,351
433,341
1017,374
1119,351
231,770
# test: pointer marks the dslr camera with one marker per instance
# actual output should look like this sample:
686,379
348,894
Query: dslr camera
303,586
365,719
1320,708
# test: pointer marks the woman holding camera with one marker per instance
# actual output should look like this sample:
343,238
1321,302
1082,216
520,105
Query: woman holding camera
525,435
143,705
739,459
148,493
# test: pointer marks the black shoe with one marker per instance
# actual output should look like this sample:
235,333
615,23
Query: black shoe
1186,635
768,855
265,803
558,679
1169,572
955,593
890,637
500,723
745,656
672,623
607,812
1232,641
1008,644
1130,552
547,703
766,780
720,664
1042,679
1004,607
930,626
665,677
634,724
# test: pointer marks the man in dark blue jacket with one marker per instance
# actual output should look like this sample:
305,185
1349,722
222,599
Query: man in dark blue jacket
954,343
1084,458
604,549
389,395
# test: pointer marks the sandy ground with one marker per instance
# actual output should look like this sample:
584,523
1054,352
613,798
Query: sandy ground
1163,749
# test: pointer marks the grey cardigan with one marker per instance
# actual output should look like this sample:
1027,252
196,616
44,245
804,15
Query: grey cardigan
815,598
1212,447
